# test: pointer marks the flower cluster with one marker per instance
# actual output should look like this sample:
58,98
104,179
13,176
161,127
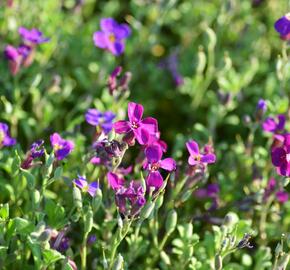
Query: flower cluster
23,55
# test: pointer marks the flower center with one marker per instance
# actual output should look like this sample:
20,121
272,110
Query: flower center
57,147
197,157
155,167
1,137
134,125
112,38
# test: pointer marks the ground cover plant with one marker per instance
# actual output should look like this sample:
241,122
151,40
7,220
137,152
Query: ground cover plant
144,134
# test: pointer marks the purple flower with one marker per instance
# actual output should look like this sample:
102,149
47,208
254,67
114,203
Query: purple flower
33,36
61,147
281,157
14,57
102,120
282,26
262,105
115,182
136,127
112,35
171,64
36,151
59,241
274,125
210,191
281,195
82,183
92,239
196,157
153,154
5,139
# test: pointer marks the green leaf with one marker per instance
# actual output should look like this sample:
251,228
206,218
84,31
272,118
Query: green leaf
19,225
51,256
57,173
55,214
4,211
29,178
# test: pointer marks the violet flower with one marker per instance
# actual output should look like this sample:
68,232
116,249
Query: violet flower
196,157
112,36
281,157
14,58
115,84
103,120
59,241
32,37
171,64
133,194
136,127
282,26
5,138
81,182
61,147
36,151
274,125
153,154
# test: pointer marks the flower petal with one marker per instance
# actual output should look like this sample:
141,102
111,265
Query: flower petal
192,147
93,116
108,24
192,161
168,164
150,124
80,182
208,158
154,179
141,135
122,127
135,112
114,181
93,188
277,155
122,31
100,40
153,153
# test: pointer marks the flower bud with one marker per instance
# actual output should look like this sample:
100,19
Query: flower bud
88,221
35,198
147,210
97,201
171,221
120,221
230,219
159,201
186,195
44,236
77,197
218,262
119,262
278,249
165,258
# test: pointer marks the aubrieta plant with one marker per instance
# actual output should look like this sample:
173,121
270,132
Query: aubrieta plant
104,164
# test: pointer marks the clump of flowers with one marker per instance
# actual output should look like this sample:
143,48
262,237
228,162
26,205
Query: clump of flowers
5,138
112,36
61,147
282,26
24,54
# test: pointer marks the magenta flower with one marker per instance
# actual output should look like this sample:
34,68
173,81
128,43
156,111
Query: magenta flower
112,36
274,125
115,182
81,182
196,157
5,139
281,195
282,26
153,154
281,156
33,36
14,58
100,119
136,127
61,147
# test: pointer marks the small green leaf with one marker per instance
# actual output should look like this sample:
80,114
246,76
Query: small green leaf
4,211
51,256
